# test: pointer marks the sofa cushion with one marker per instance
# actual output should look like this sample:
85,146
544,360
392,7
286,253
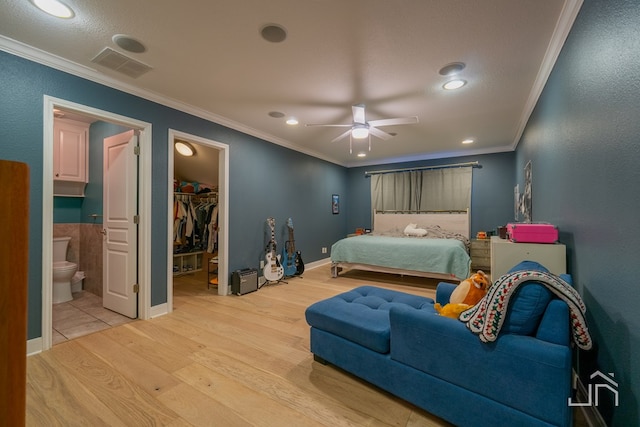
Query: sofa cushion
527,304
517,371
362,314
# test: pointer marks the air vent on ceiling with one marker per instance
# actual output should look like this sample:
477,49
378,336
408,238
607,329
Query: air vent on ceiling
113,60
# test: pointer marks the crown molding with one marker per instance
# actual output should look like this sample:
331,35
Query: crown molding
42,57
567,17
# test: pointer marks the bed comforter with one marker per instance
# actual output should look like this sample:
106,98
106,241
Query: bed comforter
444,256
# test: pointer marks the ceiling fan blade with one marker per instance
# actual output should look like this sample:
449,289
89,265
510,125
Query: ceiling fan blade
397,121
342,135
334,126
358,114
380,134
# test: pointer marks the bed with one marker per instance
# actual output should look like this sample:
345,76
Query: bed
442,254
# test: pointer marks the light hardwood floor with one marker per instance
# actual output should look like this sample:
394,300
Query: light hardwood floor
216,361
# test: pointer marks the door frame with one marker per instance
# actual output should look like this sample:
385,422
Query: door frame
144,206
223,211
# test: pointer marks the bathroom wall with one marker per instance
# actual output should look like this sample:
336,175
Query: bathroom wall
91,258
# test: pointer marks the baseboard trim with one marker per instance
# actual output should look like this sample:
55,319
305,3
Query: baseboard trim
316,264
159,310
34,346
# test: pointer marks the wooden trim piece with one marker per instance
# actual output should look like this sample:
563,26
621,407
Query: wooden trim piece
14,228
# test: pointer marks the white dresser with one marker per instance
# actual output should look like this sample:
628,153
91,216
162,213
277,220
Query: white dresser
505,254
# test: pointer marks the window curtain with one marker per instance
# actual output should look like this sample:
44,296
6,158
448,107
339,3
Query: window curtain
425,190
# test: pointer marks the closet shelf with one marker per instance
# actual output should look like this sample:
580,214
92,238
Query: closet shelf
187,262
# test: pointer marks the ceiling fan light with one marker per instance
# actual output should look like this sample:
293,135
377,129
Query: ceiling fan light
359,132
184,148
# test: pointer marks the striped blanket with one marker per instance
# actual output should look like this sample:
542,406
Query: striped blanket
486,317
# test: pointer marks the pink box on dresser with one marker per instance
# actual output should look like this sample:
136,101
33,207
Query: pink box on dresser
532,232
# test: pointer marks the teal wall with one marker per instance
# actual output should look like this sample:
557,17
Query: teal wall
260,176
582,141
67,210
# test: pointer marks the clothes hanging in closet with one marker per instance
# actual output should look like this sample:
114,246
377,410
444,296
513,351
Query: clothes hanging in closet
195,224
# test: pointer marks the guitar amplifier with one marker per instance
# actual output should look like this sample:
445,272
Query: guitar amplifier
244,281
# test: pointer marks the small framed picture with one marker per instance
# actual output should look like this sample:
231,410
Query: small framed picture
335,204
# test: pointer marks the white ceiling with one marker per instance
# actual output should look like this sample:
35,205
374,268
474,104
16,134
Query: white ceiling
209,59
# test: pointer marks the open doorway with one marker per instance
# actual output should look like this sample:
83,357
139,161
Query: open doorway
53,107
198,185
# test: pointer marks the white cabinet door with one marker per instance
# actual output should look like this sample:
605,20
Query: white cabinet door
70,151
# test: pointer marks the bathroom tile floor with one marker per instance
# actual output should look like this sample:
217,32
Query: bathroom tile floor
82,316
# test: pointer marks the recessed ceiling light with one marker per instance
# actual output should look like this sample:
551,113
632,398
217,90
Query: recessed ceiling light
362,154
55,8
292,121
273,33
468,141
276,114
454,84
451,69
184,148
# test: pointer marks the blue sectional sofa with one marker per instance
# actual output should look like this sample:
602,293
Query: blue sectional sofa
398,342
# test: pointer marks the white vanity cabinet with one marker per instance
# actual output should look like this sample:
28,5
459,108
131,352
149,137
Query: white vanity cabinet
70,154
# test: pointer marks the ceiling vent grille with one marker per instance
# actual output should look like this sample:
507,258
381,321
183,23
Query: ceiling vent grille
116,61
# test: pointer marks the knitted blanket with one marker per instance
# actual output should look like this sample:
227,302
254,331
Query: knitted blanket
486,317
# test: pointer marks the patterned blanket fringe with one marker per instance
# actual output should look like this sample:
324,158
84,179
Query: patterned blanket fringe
486,317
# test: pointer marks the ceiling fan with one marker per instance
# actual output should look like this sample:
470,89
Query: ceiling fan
361,128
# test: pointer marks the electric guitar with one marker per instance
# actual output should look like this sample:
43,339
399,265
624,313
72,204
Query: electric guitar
273,270
288,253
298,257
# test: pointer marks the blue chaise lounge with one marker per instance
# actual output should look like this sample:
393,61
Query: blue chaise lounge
398,342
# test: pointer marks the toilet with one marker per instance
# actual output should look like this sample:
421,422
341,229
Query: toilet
63,270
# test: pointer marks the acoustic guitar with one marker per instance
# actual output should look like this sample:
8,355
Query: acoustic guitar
288,253
273,270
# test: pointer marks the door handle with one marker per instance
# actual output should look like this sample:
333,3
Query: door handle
104,232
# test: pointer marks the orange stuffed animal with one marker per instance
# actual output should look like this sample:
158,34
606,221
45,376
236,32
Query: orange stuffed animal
467,294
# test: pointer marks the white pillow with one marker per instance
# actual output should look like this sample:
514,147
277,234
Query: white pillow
411,230
410,227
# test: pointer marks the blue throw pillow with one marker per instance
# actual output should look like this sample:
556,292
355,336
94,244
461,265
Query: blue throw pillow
527,304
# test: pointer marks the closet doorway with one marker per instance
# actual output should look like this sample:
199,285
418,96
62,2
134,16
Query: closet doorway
197,229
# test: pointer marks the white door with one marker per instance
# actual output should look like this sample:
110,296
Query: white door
119,249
